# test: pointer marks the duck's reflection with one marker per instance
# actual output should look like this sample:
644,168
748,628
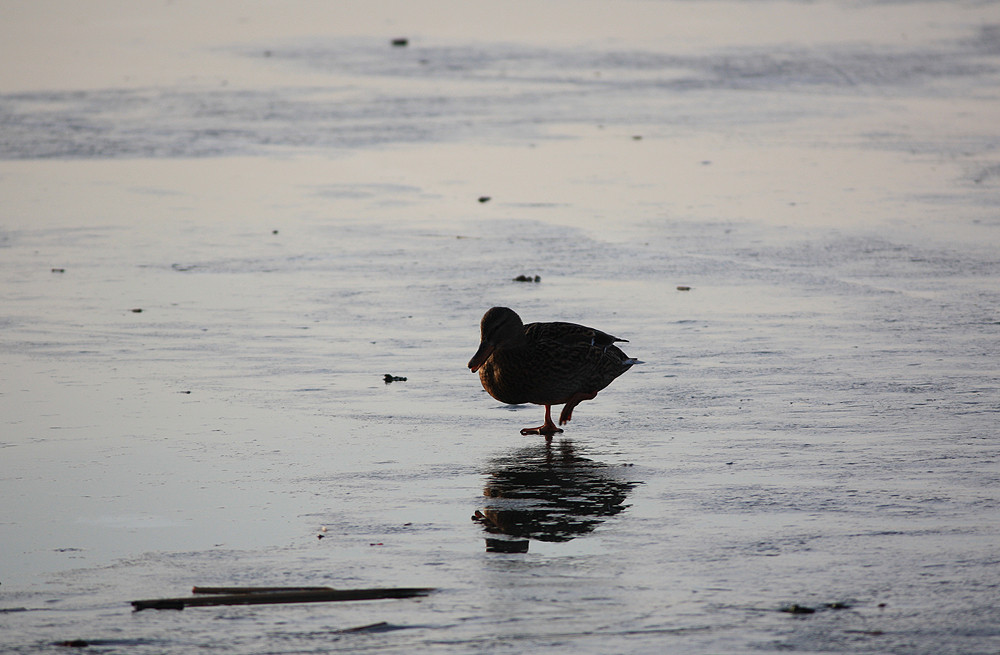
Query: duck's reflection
549,493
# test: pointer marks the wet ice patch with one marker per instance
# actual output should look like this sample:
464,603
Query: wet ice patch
130,521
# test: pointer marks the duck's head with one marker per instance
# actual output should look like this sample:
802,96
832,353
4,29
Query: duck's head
499,325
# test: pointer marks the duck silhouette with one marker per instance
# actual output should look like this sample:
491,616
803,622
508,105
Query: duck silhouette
545,364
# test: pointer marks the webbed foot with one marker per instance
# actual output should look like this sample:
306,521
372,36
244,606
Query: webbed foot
548,428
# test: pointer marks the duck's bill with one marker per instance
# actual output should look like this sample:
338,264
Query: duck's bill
484,352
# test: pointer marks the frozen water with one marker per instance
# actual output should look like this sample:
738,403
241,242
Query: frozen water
222,230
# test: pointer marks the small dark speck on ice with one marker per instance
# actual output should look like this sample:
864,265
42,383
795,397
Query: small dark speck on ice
798,609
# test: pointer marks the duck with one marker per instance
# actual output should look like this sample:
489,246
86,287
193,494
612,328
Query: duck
545,364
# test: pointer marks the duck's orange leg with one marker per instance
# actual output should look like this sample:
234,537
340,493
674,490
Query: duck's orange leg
574,400
548,428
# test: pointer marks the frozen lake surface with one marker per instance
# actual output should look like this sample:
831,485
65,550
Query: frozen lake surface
222,228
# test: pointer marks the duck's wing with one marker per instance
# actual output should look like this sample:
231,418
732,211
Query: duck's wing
568,335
